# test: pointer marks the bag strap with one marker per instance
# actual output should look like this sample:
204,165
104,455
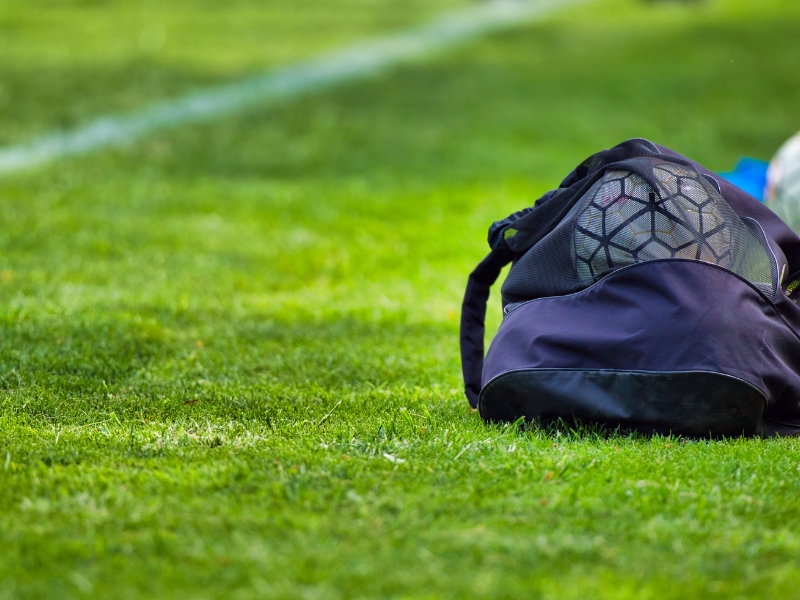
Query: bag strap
529,225
473,315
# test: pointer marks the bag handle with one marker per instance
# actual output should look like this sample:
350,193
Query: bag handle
473,315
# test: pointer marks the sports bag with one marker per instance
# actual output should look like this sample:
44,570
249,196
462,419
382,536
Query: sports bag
644,293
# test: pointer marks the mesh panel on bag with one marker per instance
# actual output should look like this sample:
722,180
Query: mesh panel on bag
656,210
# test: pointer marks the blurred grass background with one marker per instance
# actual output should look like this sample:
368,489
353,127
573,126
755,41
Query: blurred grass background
65,62
228,359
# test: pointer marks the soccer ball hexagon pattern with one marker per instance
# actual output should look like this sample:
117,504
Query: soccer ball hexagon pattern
626,221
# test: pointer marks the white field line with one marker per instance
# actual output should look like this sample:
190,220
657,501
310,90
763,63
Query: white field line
349,63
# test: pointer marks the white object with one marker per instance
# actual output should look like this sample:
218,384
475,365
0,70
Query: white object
783,183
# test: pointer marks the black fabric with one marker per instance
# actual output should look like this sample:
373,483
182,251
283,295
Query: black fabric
496,240
549,210
638,210
473,315
711,320
671,315
771,427
697,404
636,147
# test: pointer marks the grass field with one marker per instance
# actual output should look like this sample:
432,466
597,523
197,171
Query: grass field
228,352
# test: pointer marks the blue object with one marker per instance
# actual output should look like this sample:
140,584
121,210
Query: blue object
749,175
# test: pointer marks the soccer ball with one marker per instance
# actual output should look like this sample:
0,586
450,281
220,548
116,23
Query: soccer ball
783,183
627,220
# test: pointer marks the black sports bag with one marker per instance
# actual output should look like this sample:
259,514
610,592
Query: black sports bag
646,293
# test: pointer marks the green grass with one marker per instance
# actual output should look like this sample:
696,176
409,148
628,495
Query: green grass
118,55
228,353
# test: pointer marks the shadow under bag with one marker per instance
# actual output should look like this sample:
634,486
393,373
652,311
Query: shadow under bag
645,293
